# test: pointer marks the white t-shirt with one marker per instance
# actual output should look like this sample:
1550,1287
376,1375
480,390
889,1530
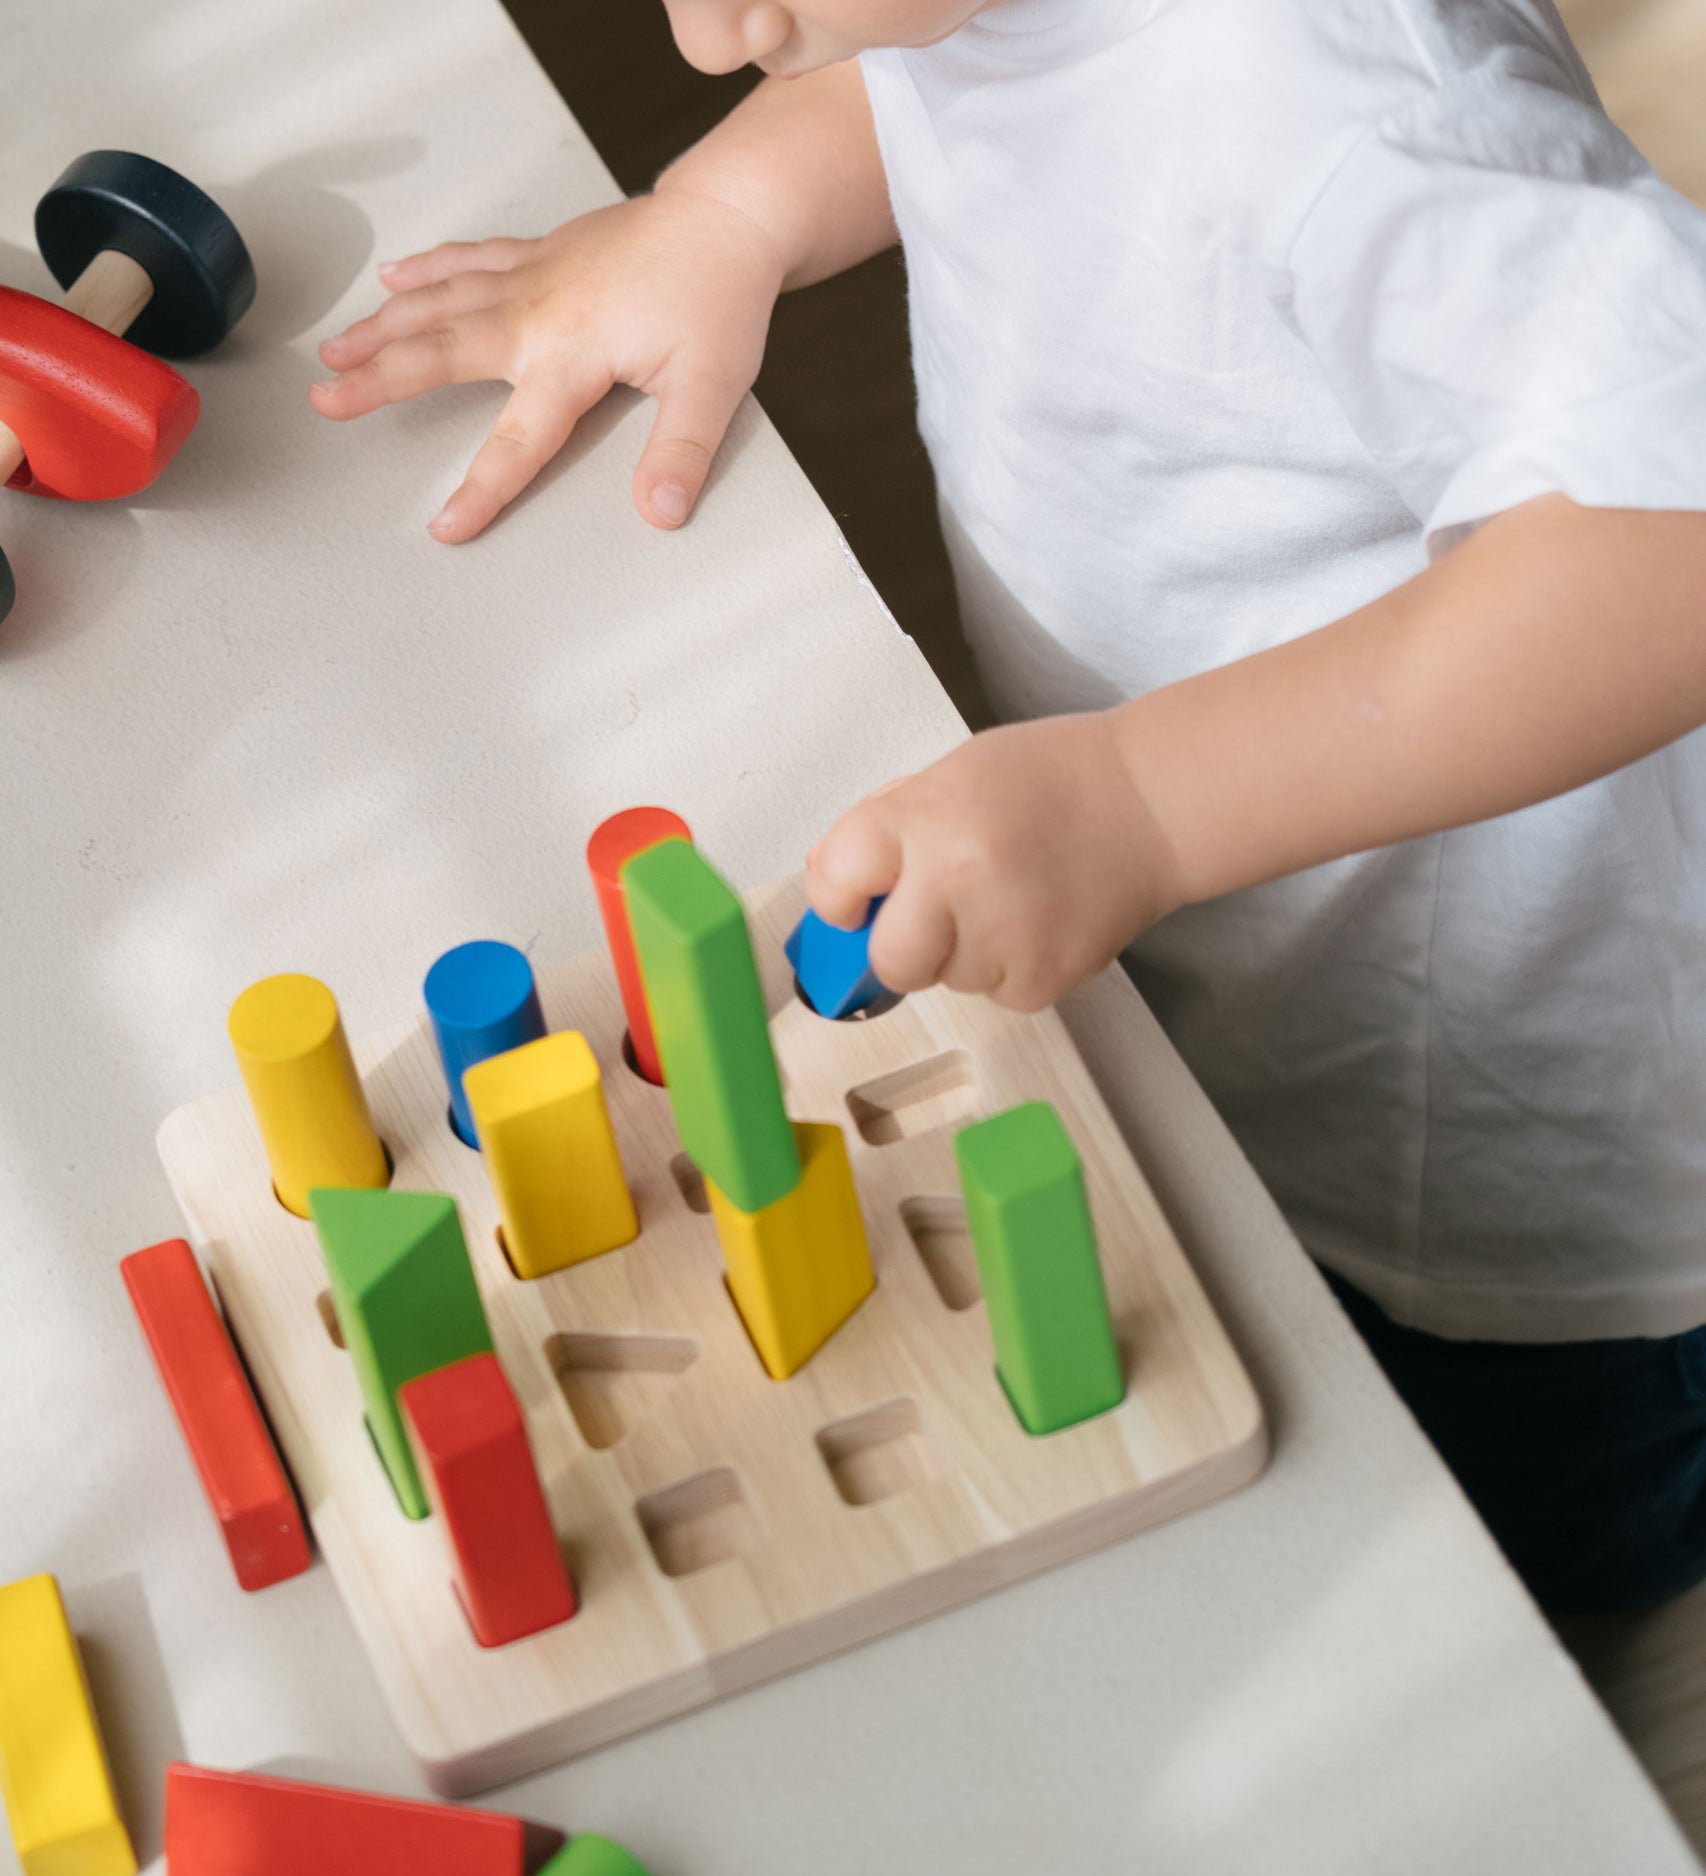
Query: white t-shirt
1225,313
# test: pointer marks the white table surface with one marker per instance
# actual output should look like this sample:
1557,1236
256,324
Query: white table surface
257,720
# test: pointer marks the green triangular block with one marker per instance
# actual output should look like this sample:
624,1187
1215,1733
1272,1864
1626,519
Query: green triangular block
407,1303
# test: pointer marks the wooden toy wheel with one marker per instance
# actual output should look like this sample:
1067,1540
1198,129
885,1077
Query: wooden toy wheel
112,200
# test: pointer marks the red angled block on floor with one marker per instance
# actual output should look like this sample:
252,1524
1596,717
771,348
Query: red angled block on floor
97,416
613,844
470,1444
239,1824
241,1472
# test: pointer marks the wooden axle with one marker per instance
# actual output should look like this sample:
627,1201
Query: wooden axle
111,293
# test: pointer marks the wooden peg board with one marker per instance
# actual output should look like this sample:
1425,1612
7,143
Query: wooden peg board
723,1527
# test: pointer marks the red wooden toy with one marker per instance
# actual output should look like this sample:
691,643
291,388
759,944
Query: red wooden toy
613,843
239,1824
96,417
142,252
241,1472
470,1445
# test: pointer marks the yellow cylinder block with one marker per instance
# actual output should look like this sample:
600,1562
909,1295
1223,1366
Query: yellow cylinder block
304,1089
550,1153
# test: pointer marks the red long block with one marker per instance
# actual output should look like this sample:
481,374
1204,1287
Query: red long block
613,843
98,417
241,1472
471,1446
238,1824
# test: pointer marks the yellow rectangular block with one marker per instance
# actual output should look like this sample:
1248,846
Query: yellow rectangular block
53,1767
551,1153
799,1267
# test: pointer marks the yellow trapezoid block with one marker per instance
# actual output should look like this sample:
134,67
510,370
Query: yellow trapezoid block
551,1153
799,1267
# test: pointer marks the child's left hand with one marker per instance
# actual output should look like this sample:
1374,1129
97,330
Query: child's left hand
1016,867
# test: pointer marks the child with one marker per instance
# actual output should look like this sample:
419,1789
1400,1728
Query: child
1317,395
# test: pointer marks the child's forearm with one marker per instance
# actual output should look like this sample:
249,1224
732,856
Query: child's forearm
799,159
1554,645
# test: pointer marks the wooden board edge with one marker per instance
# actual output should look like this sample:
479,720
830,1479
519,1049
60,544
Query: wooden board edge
919,1599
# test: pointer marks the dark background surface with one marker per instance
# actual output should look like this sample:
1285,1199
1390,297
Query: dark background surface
836,381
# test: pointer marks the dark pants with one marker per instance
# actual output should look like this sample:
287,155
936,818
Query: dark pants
1587,1460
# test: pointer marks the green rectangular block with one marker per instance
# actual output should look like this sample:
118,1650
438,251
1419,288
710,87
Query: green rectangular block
407,1303
713,1034
1042,1279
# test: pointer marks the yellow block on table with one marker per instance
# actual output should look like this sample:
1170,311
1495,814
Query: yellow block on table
551,1154
304,1089
799,1267
53,1767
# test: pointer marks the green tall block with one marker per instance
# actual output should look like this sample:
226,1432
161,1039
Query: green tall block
590,1855
707,1010
407,1303
1036,1253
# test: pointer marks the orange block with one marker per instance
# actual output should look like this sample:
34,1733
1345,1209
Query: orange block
470,1447
240,1469
240,1824
613,844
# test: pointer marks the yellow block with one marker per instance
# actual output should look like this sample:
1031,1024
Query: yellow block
304,1089
800,1267
550,1153
53,1768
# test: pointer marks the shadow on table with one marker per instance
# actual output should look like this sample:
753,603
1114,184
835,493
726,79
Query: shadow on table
309,241
133,1700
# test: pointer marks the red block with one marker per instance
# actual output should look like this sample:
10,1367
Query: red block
241,1472
98,417
612,845
470,1444
237,1824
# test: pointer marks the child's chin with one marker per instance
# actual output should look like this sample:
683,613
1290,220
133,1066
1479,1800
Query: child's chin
799,64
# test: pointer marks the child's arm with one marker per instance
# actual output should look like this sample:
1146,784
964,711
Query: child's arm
670,292
1554,645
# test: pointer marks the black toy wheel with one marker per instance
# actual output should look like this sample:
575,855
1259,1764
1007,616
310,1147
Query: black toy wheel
8,590
203,277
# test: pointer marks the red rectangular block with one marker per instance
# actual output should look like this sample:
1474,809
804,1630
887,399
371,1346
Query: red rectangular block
241,1472
615,842
239,1824
470,1444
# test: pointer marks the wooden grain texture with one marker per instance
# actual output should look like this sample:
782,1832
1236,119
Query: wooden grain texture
724,1528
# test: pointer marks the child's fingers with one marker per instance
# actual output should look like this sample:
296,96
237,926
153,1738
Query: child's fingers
857,861
534,424
912,942
461,353
451,257
405,314
694,409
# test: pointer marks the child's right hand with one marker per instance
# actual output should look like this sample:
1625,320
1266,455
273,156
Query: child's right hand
670,293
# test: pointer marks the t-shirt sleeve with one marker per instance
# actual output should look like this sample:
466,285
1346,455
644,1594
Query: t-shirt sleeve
1508,303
